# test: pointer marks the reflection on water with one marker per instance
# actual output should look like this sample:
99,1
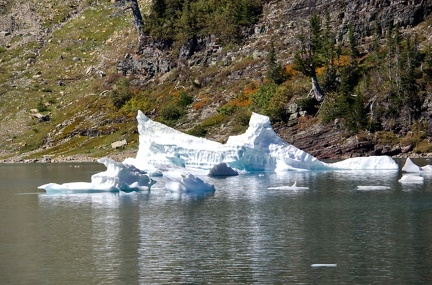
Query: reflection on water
243,233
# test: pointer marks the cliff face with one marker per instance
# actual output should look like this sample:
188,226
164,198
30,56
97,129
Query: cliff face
363,14
281,22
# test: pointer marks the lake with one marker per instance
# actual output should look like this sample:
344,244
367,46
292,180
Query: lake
246,233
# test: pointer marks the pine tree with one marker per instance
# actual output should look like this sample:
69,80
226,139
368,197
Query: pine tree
352,40
330,82
275,71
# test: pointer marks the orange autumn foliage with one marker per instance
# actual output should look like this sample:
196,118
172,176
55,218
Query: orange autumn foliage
203,101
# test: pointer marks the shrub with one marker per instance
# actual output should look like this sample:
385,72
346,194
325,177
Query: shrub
120,93
243,117
198,131
216,119
171,113
308,104
423,146
261,99
41,107
185,99
227,109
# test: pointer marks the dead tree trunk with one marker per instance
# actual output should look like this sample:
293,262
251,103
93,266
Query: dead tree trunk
138,18
316,91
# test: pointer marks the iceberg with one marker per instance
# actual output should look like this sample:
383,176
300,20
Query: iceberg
189,184
168,152
259,149
118,177
410,166
411,179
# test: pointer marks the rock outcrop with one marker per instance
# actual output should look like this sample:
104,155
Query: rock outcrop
281,20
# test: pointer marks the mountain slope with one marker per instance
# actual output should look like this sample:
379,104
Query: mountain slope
62,92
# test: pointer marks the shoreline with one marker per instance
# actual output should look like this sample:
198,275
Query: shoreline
70,158
132,154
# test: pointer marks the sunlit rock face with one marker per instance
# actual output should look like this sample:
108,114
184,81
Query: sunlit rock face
258,149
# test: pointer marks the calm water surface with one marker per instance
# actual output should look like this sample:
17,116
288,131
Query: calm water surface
244,233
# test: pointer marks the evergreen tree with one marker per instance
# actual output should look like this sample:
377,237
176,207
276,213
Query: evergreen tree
330,82
427,64
275,71
352,40
408,79
377,50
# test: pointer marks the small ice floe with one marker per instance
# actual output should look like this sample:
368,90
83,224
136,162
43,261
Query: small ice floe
287,187
410,166
372,187
189,184
316,265
411,179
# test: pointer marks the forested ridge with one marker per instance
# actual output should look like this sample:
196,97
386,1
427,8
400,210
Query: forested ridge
333,83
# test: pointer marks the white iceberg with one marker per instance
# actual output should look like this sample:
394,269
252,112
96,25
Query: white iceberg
410,166
411,179
117,177
258,149
189,184
168,151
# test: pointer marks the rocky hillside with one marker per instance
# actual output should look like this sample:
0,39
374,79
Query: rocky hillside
73,75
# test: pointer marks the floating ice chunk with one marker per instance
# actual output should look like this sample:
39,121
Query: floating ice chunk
189,184
324,265
372,187
366,163
258,149
411,178
76,188
287,187
117,177
410,166
222,169
426,168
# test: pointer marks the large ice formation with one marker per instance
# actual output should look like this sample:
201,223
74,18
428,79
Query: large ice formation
163,149
117,177
258,149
